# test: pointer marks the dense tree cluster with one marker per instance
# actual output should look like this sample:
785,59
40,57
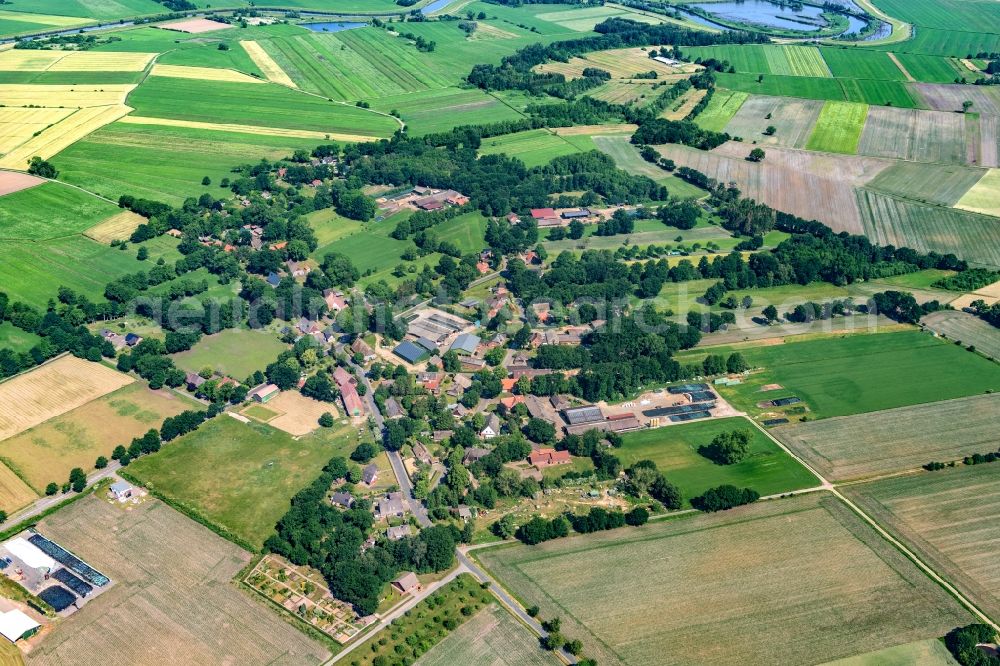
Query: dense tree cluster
964,642
727,448
901,306
724,497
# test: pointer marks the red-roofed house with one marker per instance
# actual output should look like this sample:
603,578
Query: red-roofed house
508,384
483,267
352,401
543,213
545,457
510,401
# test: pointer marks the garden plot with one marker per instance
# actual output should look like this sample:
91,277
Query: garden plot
891,220
811,185
53,389
173,601
951,518
779,580
793,120
911,134
895,440
984,196
63,134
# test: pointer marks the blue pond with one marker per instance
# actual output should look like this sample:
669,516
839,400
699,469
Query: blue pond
336,26
761,12
435,6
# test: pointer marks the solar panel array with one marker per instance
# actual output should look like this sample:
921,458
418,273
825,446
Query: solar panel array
58,597
78,586
70,561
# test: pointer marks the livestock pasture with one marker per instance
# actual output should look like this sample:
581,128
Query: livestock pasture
493,637
246,104
296,414
62,134
165,163
233,352
50,210
679,583
721,109
949,518
895,440
239,476
967,329
911,134
890,220
201,73
48,451
584,19
33,271
466,231
170,571
16,339
674,448
812,185
983,196
792,119
942,184
64,95
854,374
116,227
838,128
53,389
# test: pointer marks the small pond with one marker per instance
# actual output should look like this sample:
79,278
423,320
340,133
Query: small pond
761,12
333,26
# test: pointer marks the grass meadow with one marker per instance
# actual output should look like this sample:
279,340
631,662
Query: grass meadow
838,128
664,593
167,570
854,374
720,110
780,60
15,339
50,210
950,518
47,452
233,352
239,476
165,163
533,147
861,64
492,637
824,88
674,448
930,652
441,109
896,440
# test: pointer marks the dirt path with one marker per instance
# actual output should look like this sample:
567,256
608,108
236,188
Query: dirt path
892,56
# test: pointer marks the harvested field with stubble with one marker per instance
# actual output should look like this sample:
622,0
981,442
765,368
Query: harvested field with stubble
116,227
53,389
48,452
30,60
272,70
967,329
18,125
664,593
811,185
941,184
69,96
622,91
949,97
793,120
912,134
895,440
890,220
172,575
14,492
620,63
951,518
195,26
202,73
62,134
492,638
297,414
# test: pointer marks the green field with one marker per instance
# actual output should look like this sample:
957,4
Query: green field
465,231
165,163
492,637
950,518
861,64
720,110
674,448
891,220
933,41
440,110
854,374
931,69
800,580
13,338
239,476
811,87
930,652
95,9
768,59
252,104
233,352
897,440
956,15
33,271
533,147
627,158
838,128
941,184
50,210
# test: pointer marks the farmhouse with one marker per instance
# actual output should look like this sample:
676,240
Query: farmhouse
546,457
193,380
398,532
15,625
359,346
264,393
352,401
492,427
343,499
474,454
390,506
407,583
